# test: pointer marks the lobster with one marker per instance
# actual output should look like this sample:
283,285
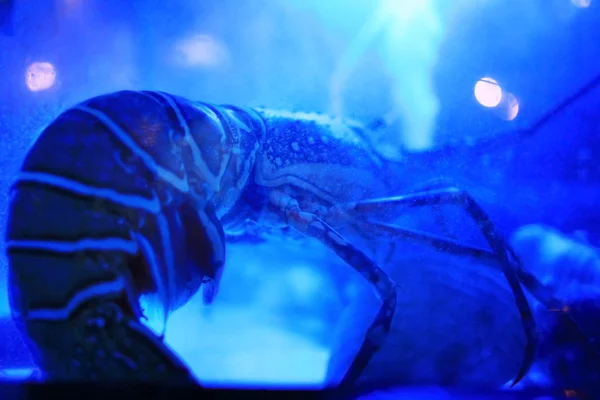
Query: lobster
133,193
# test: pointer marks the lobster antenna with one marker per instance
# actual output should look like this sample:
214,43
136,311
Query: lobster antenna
543,120
493,140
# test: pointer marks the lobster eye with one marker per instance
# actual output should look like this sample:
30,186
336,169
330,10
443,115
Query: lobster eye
205,247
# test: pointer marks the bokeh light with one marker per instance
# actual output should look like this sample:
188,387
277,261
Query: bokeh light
581,3
40,76
201,50
512,107
487,92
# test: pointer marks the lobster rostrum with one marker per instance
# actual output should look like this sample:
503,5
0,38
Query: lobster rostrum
132,193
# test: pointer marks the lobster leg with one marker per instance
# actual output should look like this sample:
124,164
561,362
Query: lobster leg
385,289
376,229
440,220
460,198
537,289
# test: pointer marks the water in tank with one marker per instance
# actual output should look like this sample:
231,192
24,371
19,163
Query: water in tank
394,195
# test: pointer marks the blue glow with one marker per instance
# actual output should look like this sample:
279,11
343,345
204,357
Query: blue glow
406,35
408,65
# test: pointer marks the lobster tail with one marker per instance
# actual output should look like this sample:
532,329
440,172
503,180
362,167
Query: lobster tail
100,215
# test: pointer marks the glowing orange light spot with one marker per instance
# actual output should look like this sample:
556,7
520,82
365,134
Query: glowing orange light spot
40,76
581,3
487,92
